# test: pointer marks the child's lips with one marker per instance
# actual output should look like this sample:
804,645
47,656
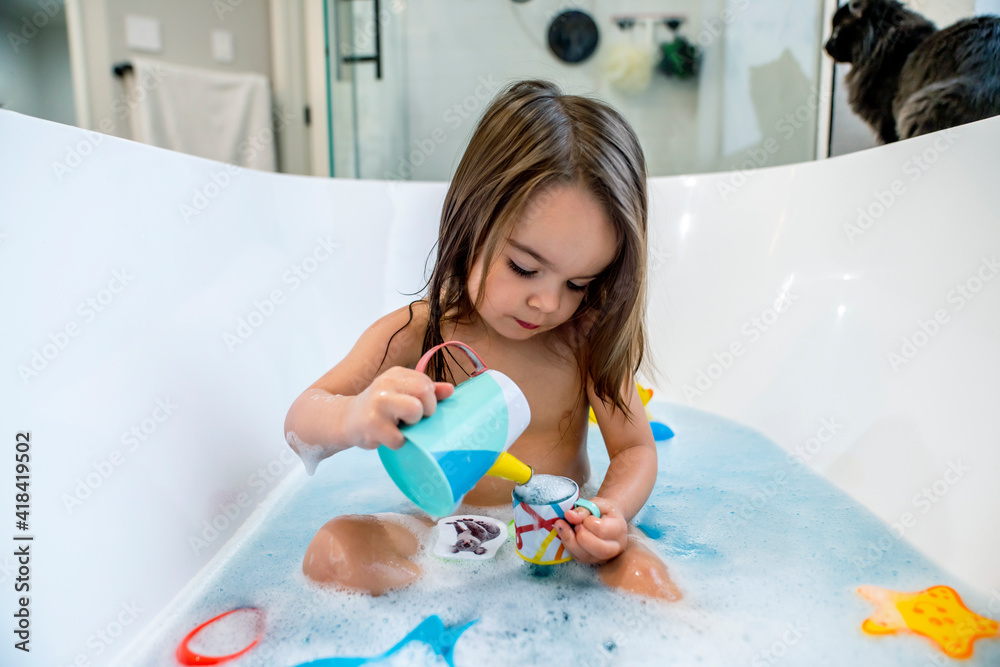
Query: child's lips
526,325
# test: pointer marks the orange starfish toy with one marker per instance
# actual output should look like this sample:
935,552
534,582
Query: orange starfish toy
937,613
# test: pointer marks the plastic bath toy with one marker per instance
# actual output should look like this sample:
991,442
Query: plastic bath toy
537,507
937,613
467,437
660,430
431,631
186,656
469,537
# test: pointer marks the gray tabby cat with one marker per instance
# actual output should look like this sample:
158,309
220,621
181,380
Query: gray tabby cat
907,77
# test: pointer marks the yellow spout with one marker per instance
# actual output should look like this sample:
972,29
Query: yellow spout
509,467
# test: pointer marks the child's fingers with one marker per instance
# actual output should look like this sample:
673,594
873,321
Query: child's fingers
583,545
423,389
403,407
568,538
443,390
399,381
380,433
609,528
582,514
598,548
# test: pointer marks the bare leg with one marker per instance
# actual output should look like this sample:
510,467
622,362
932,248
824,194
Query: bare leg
639,570
365,553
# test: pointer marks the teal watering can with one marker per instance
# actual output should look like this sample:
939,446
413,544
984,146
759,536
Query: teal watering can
467,437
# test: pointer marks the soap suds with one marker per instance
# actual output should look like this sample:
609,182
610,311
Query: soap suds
545,489
311,455
792,563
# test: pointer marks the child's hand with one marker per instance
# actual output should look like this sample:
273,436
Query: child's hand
592,540
398,394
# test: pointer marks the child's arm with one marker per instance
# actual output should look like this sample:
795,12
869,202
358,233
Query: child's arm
627,484
361,400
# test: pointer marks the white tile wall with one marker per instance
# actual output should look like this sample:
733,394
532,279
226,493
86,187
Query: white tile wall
769,50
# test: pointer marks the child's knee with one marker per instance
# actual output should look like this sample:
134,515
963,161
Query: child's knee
363,552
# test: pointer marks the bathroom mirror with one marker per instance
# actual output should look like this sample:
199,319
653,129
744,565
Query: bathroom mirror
391,89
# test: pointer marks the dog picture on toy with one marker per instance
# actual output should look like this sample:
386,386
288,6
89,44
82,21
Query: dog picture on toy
908,77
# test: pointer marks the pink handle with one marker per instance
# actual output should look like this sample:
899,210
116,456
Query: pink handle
480,366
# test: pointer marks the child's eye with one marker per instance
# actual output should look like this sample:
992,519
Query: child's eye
518,270
524,272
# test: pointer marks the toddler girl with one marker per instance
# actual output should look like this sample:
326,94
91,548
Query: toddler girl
541,269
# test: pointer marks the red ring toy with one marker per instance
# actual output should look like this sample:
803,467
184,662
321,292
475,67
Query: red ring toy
188,657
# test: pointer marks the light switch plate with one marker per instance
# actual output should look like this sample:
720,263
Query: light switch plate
142,33
222,46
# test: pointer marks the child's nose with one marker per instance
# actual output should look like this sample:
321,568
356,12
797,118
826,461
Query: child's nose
547,301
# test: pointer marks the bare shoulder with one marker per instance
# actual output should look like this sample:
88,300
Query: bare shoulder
395,339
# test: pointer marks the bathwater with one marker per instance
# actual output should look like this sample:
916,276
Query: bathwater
767,554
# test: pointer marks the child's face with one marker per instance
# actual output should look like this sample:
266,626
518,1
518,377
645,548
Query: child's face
562,242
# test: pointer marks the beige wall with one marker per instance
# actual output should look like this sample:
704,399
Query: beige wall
186,27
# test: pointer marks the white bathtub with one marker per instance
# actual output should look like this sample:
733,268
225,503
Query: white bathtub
161,312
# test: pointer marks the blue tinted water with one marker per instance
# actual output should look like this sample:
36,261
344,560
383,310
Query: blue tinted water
767,554
465,467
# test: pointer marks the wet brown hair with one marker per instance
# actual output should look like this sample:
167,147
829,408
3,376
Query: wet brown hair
530,139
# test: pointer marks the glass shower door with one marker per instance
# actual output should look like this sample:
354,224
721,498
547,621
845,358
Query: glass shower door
408,80
366,74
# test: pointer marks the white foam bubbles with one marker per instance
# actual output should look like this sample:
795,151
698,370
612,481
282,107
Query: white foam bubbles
545,489
230,634
773,585
311,455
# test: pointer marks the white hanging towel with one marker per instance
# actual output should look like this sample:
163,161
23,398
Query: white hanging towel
216,115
